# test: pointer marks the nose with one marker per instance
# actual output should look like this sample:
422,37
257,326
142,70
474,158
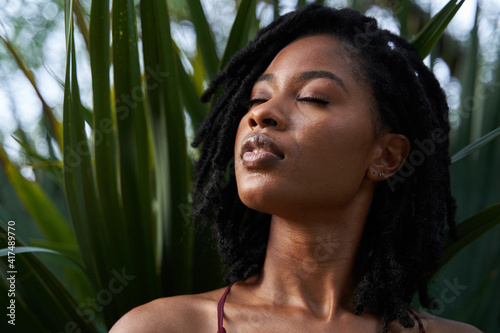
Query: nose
266,115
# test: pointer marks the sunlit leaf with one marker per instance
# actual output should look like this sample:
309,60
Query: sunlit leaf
204,37
239,37
78,176
53,167
118,250
54,126
81,22
46,215
169,137
428,37
135,157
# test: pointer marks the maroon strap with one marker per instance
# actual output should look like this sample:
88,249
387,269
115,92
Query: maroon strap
220,310
417,318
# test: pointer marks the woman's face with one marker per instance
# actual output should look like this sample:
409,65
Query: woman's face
308,140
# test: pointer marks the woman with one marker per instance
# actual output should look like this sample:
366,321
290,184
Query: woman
334,213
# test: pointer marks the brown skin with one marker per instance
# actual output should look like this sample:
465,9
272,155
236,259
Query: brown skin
318,192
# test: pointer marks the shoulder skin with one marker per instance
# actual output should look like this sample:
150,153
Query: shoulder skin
189,313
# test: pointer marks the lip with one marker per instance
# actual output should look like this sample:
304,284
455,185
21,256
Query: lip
259,149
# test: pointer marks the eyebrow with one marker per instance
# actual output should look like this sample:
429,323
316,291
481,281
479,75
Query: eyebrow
310,75
266,77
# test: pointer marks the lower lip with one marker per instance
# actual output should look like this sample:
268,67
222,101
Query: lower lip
252,159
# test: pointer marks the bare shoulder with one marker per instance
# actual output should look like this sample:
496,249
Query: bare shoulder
434,324
187,313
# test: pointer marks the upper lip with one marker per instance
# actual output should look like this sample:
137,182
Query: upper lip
261,141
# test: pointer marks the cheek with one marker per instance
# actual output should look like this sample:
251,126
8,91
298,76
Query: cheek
334,155
336,140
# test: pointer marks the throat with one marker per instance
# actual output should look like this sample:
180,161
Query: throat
311,266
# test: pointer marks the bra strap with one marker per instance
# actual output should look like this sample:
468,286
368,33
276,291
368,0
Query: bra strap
417,318
220,310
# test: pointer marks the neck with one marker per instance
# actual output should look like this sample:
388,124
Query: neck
311,259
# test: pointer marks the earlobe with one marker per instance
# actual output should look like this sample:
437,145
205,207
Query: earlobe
391,153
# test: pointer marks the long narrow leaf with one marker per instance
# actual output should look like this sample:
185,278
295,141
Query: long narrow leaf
238,37
190,97
471,229
428,37
402,10
475,145
78,174
37,161
104,133
27,249
54,128
135,169
32,249
204,38
460,138
172,170
81,22
46,215
34,280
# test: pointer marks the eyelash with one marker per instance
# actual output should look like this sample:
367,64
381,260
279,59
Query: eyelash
303,99
255,101
313,100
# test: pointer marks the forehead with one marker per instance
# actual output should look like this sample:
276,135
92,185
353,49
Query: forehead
318,52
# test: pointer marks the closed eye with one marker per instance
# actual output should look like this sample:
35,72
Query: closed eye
313,100
256,101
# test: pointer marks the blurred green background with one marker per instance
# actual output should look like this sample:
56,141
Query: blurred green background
114,214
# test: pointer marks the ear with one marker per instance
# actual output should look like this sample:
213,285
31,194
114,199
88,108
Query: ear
390,154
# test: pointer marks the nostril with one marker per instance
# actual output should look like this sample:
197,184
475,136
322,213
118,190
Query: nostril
254,122
271,122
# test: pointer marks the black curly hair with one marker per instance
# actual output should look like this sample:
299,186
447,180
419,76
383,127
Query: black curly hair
410,211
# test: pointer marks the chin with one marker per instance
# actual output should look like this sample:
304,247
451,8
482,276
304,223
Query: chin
256,200
261,199
274,201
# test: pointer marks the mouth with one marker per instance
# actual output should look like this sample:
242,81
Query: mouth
259,149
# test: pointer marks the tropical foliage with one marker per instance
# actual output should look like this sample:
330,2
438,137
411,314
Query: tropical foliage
100,215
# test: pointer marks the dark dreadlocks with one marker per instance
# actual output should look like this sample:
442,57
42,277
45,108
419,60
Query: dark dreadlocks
405,227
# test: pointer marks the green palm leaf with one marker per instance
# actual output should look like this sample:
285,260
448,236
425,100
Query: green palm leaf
79,176
48,218
470,230
428,37
469,149
239,35
40,294
54,126
204,37
169,137
135,158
